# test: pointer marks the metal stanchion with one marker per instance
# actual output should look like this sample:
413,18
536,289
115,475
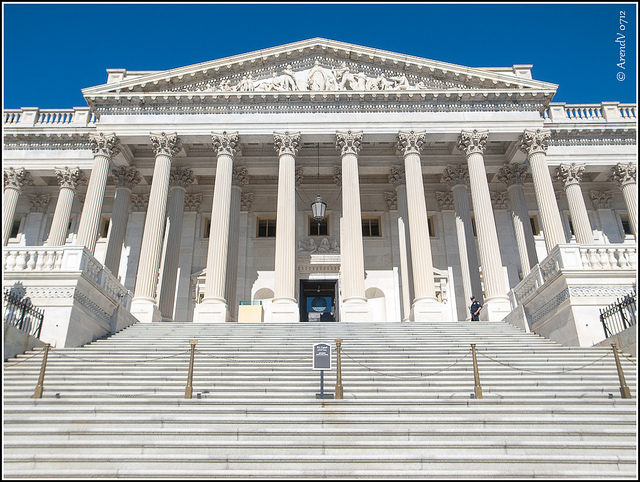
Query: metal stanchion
477,390
338,391
38,391
189,389
624,389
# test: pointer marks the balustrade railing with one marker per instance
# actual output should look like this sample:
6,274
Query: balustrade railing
34,117
19,312
604,112
619,315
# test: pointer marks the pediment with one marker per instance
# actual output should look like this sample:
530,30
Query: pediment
318,65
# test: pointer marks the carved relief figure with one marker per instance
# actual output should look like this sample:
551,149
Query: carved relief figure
345,78
246,84
320,78
288,79
308,247
324,247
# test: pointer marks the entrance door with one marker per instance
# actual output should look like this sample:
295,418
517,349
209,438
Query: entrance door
318,301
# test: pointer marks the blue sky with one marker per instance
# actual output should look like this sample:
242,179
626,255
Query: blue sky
52,51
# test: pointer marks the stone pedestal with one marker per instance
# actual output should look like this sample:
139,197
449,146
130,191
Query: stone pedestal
145,310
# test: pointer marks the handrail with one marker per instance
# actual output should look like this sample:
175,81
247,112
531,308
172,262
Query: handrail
619,316
19,312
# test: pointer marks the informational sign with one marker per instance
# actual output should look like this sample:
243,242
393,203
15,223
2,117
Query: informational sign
321,356
319,304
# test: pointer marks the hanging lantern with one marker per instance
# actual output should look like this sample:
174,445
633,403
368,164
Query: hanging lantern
318,208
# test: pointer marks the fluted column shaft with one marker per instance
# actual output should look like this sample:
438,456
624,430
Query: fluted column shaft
534,145
14,181
104,148
570,176
239,180
125,179
151,250
352,252
472,144
404,241
220,217
285,257
69,179
625,175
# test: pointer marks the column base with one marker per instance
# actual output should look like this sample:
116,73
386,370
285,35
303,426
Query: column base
354,310
145,310
427,310
284,310
212,311
495,309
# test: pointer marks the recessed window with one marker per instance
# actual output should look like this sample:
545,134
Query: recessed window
371,227
318,228
473,225
626,226
15,228
432,231
534,225
207,227
104,227
266,228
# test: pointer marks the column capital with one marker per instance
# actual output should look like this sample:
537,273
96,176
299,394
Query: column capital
470,142
455,175
192,202
239,176
70,177
601,199
286,143
499,199
17,178
568,174
165,144
104,145
299,176
410,142
445,200
391,198
39,202
624,174
512,174
337,175
139,202
532,141
349,142
126,177
396,175
181,177
245,201
224,143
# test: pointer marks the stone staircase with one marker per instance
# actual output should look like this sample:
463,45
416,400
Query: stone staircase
116,407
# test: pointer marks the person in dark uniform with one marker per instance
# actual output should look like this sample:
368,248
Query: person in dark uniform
475,309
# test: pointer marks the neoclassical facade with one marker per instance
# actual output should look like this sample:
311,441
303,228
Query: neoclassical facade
179,195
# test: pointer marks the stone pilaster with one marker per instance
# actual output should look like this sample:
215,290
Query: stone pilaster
398,179
354,302
104,147
68,179
570,176
534,144
179,180
126,179
144,304
625,176
214,306
496,303
14,181
285,307
425,305
514,175
457,178
240,178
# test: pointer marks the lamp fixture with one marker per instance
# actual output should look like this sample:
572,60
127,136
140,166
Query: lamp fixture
318,207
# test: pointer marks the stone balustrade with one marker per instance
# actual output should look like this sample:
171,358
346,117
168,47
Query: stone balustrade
604,112
575,257
34,117
65,259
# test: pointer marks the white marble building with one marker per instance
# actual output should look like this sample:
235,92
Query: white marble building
176,195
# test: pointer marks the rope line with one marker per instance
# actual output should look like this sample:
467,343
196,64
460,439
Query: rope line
631,360
24,359
251,361
543,373
405,378
123,363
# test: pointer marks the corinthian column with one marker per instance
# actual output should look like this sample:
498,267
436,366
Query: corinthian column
239,179
68,179
457,178
285,306
570,175
513,175
534,144
126,179
625,176
354,302
14,181
104,148
179,180
143,305
214,307
425,305
496,303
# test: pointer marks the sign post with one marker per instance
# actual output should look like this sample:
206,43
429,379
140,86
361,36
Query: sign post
322,362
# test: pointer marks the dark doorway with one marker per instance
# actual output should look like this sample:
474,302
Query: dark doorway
318,300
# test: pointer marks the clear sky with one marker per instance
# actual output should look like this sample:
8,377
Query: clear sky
52,51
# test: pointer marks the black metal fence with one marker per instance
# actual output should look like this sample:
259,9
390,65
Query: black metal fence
20,313
619,316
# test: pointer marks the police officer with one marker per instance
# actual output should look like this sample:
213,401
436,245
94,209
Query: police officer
475,309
